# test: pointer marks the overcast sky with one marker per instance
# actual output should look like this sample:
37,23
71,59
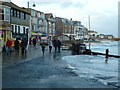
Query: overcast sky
103,13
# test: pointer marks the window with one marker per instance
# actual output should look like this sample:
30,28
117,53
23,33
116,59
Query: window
24,30
15,29
15,13
12,28
0,16
11,12
1,11
24,16
32,27
18,29
18,14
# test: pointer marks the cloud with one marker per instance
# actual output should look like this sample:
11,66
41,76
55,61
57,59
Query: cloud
103,12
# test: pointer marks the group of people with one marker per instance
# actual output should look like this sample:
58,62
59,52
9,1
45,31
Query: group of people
56,43
24,43
17,46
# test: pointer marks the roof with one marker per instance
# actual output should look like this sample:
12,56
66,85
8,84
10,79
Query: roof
12,5
47,15
92,32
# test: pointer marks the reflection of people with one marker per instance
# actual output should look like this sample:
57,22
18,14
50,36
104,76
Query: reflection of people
106,61
107,51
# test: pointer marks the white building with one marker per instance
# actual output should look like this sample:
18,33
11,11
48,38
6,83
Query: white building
78,30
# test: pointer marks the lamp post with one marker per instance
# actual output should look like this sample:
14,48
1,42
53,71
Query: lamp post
89,30
29,20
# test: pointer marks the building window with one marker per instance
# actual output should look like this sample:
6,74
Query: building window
32,27
15,29
1,16
18,14
12,28
11,12
24,16
18,29
1,11
15,13
24,30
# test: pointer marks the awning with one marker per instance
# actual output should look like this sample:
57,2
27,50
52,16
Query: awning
34,33
4,28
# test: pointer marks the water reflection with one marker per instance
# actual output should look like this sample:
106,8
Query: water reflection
106,60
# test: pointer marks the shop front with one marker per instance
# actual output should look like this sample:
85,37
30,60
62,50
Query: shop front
4,35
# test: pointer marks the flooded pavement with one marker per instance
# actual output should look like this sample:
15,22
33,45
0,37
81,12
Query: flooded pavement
48,71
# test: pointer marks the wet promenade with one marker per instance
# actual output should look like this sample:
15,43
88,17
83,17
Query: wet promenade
37,71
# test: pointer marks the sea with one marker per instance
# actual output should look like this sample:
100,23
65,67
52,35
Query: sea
97,67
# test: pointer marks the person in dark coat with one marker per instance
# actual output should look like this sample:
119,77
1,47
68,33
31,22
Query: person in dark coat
58,45
34,42
43,47
55,44
107,51
16,45
23,46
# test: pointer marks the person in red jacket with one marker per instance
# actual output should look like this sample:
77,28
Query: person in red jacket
8,46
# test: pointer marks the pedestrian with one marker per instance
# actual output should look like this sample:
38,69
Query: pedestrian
30,41
34,42
55,44
23,46
58,45
26,45
16,46
50,46
43,47
107,51
8,46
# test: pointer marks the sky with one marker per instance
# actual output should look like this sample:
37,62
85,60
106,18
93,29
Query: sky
103,13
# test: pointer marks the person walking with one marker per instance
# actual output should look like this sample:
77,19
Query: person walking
107,51
34,41
50,46
43,47
23,46
58,45
30,41
55,44
16,46
8,46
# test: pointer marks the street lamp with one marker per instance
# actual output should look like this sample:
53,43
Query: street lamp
29,20
32,5
89,30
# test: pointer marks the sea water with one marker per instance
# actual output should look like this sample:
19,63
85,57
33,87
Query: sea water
97,67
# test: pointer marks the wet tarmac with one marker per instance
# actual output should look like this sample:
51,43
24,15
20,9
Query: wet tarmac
37,71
